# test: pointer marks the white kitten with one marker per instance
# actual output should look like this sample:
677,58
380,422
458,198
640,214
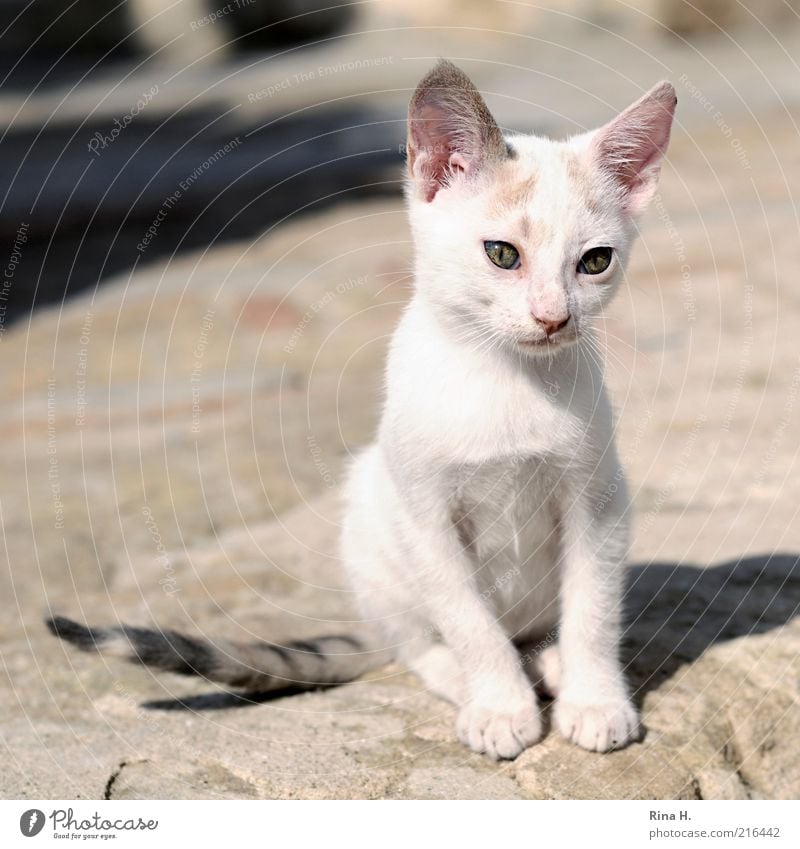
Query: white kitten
492,509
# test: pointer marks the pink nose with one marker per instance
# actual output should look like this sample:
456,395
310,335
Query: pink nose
550,325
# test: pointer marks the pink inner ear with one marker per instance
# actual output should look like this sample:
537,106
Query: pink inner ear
434,150
450,130
632,145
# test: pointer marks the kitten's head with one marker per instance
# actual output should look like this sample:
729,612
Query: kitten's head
522,240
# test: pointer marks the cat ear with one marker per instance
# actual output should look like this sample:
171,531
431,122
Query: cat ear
631,147
450,130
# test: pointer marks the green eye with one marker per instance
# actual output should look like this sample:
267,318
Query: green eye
502,254
595,261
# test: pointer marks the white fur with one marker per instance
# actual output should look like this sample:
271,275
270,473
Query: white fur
492,507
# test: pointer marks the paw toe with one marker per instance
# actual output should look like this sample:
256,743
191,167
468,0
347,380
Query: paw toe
501,736
598,728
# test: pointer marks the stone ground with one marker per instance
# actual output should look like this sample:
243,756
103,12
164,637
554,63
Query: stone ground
173,447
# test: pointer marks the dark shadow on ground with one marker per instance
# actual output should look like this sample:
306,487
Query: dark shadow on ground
224,700
674,612
84,203
677,611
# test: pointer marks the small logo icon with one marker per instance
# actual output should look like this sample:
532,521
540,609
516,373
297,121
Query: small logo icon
31,822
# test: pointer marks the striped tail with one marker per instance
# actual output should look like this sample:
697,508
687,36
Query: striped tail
260,666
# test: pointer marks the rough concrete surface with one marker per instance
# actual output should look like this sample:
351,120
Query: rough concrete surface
172,449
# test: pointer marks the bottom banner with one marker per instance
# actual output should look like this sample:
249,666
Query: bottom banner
403,823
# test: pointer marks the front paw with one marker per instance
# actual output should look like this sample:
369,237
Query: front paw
598,727
499,735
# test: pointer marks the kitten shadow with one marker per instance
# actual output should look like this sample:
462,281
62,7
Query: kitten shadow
225,700
674,612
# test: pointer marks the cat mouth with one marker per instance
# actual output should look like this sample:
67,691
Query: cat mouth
548,342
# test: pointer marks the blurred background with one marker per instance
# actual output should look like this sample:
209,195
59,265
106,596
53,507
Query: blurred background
204,252
108,106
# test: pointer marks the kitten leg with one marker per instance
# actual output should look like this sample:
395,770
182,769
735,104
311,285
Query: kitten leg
428,571
593,709
499,714
382,599
550,668
544,671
